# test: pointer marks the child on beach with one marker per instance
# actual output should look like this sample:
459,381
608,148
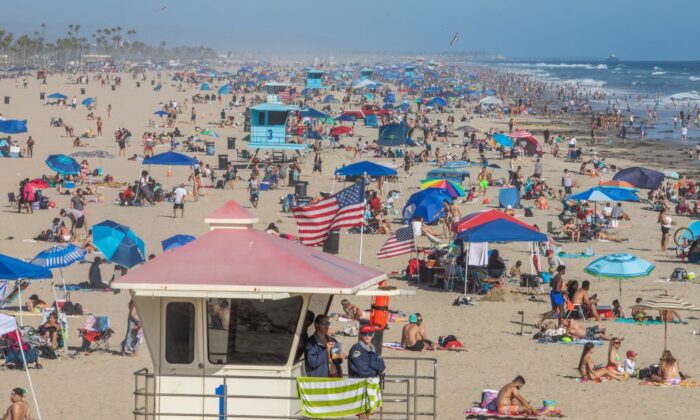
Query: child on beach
629,368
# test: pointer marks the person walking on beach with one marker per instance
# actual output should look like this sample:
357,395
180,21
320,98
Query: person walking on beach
99,126
179,203
131,341
19,409
666,223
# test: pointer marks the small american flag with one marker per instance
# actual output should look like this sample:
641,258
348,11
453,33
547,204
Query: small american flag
287,96
345,209
400,243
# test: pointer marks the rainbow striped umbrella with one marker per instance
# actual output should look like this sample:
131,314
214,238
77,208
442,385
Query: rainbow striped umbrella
453,188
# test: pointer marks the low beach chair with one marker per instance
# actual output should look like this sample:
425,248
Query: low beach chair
95,333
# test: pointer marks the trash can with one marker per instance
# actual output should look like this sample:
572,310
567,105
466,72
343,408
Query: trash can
231,143
42,95
223,161
82,91
332,244
211,148
153,82
300,188
246,127
7,100
114,87
138,84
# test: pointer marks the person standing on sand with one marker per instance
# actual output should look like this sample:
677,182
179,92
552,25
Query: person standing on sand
179,203
99,126
19,409
130,345
666,223
30,147
109,111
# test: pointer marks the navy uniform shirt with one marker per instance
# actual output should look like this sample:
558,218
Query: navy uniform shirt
364,361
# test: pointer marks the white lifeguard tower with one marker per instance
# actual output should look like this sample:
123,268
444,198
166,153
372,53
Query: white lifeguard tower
224,318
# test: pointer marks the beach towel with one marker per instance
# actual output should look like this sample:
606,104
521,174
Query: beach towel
478,254
575,255
482,412
646,322
573,342
393,345
334,398
684,384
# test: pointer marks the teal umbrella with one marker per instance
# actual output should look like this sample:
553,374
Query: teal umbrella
620,266
118,243
503,140
671,174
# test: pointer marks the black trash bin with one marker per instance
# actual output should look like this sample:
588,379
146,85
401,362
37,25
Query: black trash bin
138,84
114,87
300,188
42,95
82,91
153,82
332,244
7,100
223,161
231,143
246,127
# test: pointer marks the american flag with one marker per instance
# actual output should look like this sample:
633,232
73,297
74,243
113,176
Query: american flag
400,243
345,209
287,96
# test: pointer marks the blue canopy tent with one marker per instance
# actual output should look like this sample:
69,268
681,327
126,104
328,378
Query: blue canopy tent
313,113
393,134
330,99
365,167
225,89
427,204
170,159
437,102
57,96
13,126
640,177
371,121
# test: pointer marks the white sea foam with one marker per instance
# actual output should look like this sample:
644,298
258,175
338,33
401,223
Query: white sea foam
584,82
658,73
694,79
692,96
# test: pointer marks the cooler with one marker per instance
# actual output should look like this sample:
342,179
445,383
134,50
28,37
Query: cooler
211,148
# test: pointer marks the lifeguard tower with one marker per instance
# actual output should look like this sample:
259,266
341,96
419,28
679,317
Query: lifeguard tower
409,71
225,316
366,74
272,91
314,79
268,127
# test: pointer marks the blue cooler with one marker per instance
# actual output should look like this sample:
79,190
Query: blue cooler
545,277
264,186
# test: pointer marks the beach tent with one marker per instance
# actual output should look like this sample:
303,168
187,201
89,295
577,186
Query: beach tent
527,141
508,196
170,159
427,204
371,121
225,89
436,102
330,99
393,134
204,86
365,167
13,126
495,226
313,113
640,177
176,241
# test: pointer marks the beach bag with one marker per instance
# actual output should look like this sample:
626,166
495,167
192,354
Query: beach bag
449,342
679,274
528,212
71,308
488,399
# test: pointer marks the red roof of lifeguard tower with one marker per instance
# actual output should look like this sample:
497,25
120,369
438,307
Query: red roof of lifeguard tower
234,257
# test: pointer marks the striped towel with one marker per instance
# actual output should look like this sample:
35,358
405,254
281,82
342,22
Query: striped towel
334,398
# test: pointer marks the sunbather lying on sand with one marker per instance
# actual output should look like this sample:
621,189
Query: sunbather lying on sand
576,330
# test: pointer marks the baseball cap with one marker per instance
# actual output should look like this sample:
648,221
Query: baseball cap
631,353
367,329
20,391
413,319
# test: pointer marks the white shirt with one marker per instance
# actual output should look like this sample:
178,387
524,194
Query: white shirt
180,194
417,228
572,142
629,366
684,131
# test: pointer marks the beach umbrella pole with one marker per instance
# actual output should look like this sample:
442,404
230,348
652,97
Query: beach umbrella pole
665,330
19,301
29,377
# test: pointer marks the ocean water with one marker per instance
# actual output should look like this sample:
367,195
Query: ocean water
665,86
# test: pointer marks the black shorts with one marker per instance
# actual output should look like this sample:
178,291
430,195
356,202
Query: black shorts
665,230
80,222
420,345
567,190
180,206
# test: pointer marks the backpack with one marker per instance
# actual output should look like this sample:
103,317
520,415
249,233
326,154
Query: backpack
679,274
71,308
528,212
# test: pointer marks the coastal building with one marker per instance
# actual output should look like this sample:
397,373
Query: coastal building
272,91
314,79
268,127
366,74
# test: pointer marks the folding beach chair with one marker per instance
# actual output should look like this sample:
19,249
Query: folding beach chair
95,333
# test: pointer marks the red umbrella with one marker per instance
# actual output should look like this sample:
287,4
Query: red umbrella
340,130
39,183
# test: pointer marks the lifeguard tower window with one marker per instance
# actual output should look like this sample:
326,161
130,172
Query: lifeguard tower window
251,332
276,118
179,332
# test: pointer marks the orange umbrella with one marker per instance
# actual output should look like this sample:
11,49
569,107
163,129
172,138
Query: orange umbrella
619,184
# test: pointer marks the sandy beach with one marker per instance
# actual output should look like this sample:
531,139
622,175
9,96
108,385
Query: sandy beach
100,385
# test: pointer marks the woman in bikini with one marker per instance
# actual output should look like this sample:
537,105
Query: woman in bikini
614,364
587,368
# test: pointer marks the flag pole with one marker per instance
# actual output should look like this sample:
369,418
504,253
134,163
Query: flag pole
362,227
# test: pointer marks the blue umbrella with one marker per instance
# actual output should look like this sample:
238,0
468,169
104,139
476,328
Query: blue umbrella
593,194
87,101
119,244
503,140
57,96
160,113
313,113
620,266
176,241
427,204
63,165
59,256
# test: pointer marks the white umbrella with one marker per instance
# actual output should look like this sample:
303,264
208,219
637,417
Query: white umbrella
666,302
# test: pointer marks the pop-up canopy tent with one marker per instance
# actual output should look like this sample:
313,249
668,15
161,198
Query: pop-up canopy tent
525,140
393,134
494,226
170,159
640,177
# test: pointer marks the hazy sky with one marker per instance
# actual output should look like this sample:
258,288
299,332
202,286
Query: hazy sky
632,29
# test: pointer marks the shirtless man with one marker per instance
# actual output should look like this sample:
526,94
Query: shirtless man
413,336
582,297
510,402
669,371
669,316
576,330
19,409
